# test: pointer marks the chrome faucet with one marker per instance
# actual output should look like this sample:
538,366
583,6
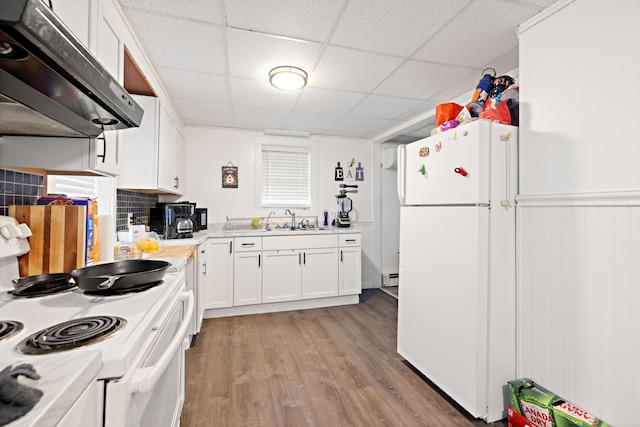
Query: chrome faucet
266,225
293,218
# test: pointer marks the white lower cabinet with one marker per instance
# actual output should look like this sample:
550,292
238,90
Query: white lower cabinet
299,267
218,270
319,273
281,276
247,272
350,266
281,269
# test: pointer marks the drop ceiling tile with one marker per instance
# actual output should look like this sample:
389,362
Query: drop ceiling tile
253,55
325,101
466,84
205,87
419,109
169,42
541,3
353,70
258,118
420,80
359,126
506,63
392,27
260,94
204,113
301,19
200,10
310,122
383,107
463,42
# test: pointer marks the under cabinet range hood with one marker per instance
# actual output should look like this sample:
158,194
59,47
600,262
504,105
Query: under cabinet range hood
50,85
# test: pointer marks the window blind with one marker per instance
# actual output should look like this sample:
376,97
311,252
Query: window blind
72,185
286,180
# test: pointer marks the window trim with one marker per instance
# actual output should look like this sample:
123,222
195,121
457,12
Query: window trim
284,142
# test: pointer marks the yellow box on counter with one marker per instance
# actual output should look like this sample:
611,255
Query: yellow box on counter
58,243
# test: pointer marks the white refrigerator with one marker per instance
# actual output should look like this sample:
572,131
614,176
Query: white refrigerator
456,304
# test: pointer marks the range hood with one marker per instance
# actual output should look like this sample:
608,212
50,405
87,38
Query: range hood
50,85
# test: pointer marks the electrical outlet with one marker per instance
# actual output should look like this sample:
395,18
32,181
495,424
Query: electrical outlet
130,218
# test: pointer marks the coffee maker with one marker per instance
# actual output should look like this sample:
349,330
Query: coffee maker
344,206
173,220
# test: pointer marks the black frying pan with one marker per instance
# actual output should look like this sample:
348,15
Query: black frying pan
40,284
127,274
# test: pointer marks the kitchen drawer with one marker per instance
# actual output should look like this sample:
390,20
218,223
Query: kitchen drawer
300,242
352,239
244,244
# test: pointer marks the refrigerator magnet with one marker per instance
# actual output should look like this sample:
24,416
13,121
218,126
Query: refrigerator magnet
438,147
424,152
423,171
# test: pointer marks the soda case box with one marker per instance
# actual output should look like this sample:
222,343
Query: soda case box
91,246
546,409
514,419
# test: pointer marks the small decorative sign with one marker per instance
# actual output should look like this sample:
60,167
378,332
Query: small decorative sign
339,175
359,172
229,176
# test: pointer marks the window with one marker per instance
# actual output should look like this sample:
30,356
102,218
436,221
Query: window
286,177
72,185
100,188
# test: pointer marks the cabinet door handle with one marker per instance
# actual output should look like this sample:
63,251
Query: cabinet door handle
350,240
248,244
204,271
103,156
259,256
231,247
299,255
304,258
340,256
176,182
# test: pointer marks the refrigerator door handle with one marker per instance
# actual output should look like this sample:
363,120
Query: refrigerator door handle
507,170
401,181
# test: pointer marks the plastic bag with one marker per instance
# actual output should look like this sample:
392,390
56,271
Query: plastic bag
496,111
446,112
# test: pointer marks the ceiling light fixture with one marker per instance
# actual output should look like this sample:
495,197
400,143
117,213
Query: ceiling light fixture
287,77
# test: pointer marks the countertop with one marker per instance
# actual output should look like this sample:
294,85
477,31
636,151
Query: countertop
177,251
63,377
214,231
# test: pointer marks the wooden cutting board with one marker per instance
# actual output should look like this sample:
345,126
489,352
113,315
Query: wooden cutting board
58,240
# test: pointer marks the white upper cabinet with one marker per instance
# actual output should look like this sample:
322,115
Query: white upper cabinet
152,155
76,15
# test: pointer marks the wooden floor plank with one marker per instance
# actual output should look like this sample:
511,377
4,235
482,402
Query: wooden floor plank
334,367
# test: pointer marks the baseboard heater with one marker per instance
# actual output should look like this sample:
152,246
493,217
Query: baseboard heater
390,279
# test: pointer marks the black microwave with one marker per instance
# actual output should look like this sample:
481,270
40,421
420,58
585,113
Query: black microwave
200,219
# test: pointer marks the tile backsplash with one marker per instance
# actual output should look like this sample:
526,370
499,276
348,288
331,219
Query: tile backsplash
136,203
19,188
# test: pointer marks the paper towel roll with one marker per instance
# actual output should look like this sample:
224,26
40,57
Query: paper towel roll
106,237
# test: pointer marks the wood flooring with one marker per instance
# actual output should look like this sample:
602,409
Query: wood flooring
331,367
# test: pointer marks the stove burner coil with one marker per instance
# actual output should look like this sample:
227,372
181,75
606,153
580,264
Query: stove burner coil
9,328
72,334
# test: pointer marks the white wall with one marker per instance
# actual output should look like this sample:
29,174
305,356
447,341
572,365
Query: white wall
579,209
208,149
579,92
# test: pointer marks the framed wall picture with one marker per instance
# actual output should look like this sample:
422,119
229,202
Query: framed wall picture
229,176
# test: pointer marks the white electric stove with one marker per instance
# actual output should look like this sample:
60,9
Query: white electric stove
137,358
